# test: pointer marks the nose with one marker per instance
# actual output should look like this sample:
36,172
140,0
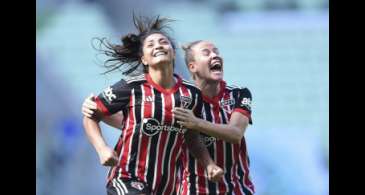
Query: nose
214,55
158,46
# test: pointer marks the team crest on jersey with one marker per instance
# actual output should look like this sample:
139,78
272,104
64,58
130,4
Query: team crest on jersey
137,185
185,101
108,94
151,127
207,140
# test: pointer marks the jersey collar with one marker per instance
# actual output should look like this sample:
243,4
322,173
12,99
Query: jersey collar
161,89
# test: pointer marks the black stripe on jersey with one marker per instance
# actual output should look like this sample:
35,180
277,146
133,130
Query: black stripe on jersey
177,100
212,187
235,94
192,176
133,154
228,156
154,140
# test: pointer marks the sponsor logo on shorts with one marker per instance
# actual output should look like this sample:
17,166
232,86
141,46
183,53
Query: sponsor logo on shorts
151,127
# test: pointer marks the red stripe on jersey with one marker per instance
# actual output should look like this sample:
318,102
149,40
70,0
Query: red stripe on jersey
168,108
141,163
201,178
184,91
244,112
101,107
127,133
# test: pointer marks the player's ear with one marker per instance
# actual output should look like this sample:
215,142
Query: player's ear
192,67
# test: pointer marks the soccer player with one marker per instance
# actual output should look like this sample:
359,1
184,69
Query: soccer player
226,114
145,157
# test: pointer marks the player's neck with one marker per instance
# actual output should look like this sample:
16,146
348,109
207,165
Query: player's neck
209,89
163,77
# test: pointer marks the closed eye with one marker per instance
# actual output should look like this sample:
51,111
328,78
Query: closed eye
164,41
206,52
216,51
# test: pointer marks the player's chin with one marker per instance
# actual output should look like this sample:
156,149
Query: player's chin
162,62
217,76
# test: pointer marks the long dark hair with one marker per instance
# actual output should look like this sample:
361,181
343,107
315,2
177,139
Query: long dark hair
126,57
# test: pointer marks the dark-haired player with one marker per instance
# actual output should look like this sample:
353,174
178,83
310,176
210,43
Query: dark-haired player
144,159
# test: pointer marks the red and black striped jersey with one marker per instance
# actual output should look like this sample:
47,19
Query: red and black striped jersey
151,141
233,158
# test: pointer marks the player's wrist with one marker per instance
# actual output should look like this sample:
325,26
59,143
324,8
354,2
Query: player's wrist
100,148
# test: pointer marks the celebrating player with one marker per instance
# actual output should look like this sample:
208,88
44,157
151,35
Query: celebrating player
144,159
226,115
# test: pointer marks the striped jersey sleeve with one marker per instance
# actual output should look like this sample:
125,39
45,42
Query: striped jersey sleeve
114,98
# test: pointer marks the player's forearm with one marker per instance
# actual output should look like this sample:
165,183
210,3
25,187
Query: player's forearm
114,120
93,133
198,150
226,132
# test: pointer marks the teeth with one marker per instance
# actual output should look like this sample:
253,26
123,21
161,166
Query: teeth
159,53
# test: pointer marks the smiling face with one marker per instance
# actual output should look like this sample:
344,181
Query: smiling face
206,63
157,51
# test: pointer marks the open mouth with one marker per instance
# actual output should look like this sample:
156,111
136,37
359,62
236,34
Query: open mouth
159,53
216,67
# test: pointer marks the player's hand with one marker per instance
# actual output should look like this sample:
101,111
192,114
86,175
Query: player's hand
89,106
186,118
214,172
108,157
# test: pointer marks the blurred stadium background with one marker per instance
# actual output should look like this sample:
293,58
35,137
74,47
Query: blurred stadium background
277,48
